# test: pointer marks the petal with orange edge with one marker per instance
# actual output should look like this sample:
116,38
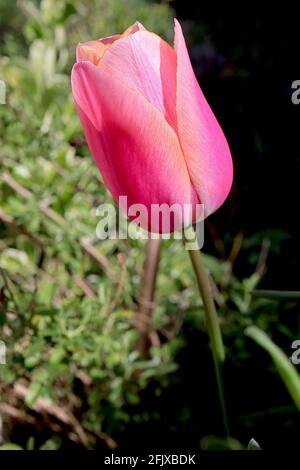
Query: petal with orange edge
93,51
135,60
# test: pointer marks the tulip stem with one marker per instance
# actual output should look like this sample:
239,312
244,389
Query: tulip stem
212,322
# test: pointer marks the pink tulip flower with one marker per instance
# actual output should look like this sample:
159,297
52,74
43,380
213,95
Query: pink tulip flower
148,125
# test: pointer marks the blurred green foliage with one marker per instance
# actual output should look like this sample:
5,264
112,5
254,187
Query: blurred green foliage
67,317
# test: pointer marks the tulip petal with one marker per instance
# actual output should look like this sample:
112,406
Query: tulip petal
168,67
136,150
134,28
202,140
93,51
135,60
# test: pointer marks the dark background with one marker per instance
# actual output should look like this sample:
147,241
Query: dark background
246,60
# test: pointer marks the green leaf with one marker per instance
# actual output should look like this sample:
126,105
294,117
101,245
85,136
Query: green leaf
33,394
285,368
253,445
217,443
10,447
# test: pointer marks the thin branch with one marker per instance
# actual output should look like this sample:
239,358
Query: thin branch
89,249
86,288
41,405
263,256
146,299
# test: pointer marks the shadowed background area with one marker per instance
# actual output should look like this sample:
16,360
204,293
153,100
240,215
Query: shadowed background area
76,375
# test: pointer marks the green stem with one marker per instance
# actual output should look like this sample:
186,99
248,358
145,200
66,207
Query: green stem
276,294
213,326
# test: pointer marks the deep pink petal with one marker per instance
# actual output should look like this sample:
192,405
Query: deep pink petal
168,67
202,140
137,152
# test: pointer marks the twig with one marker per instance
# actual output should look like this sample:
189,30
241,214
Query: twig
13,184
11,294
16,414
235,250
98,257
146,300
86,288
263,256
236,247
9,220
120,286
41,405
89,249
